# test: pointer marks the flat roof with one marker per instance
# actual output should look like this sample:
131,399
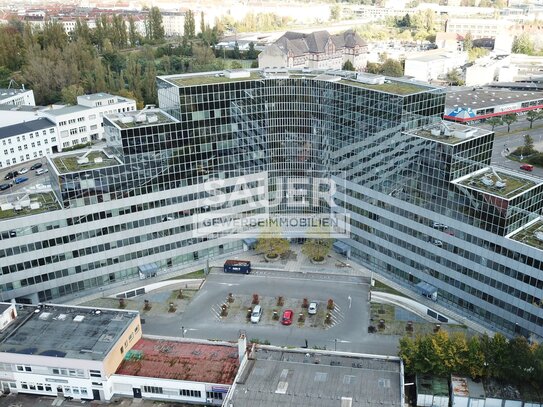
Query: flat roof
65,331
499,182
9,93
486,98
65,163
449,132
432,385
25,127
98,96
531,235
67,110
23,204
189,361
392,85
310,379
140,118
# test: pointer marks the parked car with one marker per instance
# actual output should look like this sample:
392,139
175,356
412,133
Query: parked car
20,180
287,317
312,309
256,314
11,175
41,171
527,167
23,170
36,166
3,187
437,225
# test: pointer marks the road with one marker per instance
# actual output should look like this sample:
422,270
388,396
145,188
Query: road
348,333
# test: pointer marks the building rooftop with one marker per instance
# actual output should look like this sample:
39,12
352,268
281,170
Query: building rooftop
25,127
531,235
293,378
449,132
140,118
465,387
9,93
391,85
502,183
66,110
432,385
65,331
83,160
24,204
97,96
486,98
190,361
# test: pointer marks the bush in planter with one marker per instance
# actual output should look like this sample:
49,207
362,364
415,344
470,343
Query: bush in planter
319,246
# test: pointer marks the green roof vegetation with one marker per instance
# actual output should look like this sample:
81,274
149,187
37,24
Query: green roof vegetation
530,235
398,88
210,79
508,187
447,140
68,163
46,200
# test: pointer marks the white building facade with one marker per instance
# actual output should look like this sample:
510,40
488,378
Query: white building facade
82,123
17,97
430,66
27,141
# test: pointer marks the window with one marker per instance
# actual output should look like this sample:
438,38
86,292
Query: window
24,385
152,389
73,131
95,373
214,395
190,393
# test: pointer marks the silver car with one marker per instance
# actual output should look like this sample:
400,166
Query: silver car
312,309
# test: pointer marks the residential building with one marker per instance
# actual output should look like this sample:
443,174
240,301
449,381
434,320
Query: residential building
317,50
173,23
82,123
17,97
433,65
27,141
478,27
423,203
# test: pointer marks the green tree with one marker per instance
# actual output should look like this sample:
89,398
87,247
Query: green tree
335,12
203,27
533,115
528,145
485,3
236,54
522,44
391,67
509,119
475,364
348,66
53,35
70,94
155,29
189,28
252,53
270,241
236,65
133,35
468,41
319,245
476,53
454,78
494,121
5,76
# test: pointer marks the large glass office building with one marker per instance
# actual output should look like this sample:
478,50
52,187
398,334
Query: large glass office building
423,203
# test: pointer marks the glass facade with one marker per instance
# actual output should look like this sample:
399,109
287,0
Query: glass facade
415,189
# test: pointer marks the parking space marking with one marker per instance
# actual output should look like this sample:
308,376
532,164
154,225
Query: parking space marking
216,311
337,317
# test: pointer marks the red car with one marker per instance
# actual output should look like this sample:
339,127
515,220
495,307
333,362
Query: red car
527,167
287,317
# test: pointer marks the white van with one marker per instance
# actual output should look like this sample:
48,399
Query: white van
256,314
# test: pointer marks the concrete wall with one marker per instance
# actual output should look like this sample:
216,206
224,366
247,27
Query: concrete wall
114,358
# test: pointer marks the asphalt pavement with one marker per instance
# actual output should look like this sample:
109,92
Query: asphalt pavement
33,179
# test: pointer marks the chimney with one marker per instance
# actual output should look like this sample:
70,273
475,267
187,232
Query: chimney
242,346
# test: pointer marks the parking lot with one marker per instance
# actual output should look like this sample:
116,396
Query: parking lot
30,174
346,329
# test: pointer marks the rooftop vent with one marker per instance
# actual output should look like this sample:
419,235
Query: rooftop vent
152,118
127,119
140,118
370,79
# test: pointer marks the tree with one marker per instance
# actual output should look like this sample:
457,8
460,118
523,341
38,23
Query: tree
335,12
189,29
454,78
70,94
391,67
133,35
468,41
318,247
522,44
202,23
509,119
494,121
236,54
252,53
236,65
475,366
348,66
533,115
528,145
270,241
155,29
